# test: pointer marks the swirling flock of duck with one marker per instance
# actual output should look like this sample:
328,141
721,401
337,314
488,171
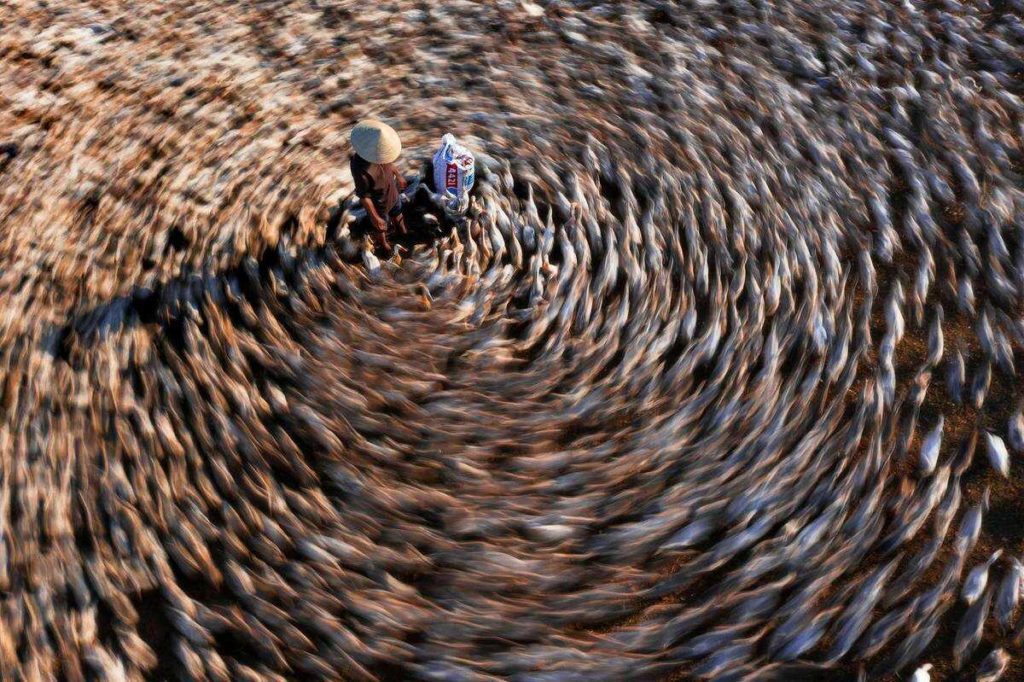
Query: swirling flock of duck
717,379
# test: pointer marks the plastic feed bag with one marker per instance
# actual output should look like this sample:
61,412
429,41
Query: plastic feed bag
453,174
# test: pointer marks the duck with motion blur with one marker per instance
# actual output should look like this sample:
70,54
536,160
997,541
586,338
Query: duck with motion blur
378,183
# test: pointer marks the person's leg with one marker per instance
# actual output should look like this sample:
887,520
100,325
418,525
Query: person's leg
397,216
382,230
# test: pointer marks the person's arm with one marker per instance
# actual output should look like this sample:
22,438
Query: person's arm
362,186
371,210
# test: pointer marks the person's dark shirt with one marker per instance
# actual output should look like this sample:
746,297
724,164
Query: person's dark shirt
379,182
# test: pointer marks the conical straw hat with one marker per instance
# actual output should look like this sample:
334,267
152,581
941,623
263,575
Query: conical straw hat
375,141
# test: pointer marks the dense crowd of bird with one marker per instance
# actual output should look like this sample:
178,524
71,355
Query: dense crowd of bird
715,380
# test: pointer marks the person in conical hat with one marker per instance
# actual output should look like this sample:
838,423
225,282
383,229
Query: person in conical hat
378,182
